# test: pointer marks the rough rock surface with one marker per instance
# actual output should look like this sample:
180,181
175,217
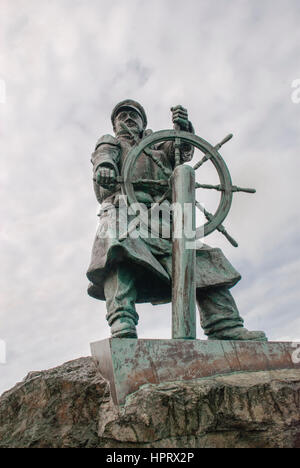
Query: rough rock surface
70,406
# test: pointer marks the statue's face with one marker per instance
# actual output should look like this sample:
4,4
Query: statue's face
131,118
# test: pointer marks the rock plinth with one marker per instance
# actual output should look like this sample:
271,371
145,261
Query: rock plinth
71,406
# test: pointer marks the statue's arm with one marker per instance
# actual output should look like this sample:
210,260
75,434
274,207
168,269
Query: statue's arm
106,154
181,122
105,160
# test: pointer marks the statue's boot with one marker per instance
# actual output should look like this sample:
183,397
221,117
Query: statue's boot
238,333
120,294
220,318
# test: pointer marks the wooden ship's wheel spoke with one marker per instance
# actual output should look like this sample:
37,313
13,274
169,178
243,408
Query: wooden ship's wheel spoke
208,155
220,228
161,182
220,188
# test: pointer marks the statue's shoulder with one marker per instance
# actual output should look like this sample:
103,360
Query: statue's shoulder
107,140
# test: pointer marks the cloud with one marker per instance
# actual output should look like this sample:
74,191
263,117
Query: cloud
65,65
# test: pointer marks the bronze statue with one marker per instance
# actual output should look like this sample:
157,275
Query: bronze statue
127,270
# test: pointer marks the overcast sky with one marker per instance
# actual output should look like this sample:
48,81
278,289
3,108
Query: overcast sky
65,64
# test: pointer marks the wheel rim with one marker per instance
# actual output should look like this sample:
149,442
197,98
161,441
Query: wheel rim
198,142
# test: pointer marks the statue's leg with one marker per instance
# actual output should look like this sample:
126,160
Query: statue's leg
220,318
120,293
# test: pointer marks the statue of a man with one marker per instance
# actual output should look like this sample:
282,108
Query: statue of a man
125,271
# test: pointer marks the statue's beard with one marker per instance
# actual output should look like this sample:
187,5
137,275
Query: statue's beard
132,128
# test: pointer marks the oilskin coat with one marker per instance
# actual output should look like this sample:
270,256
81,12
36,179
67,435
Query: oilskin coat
149,259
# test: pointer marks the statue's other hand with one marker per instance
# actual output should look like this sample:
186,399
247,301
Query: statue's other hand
106,177
180,117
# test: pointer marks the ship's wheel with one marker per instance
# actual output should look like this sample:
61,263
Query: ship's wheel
211,153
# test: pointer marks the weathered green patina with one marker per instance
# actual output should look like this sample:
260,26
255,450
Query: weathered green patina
126,269
129,364
184,258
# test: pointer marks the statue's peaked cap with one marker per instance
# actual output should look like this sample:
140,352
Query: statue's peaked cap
130,103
